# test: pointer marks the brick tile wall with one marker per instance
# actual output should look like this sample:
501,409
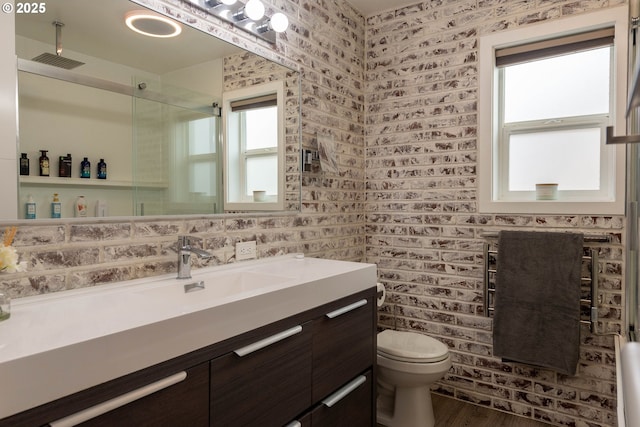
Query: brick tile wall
423,229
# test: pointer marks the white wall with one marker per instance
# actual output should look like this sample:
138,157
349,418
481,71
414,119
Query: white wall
8,132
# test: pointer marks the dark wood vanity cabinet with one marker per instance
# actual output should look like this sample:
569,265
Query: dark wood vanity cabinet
344,354
313,369
321,374
267,382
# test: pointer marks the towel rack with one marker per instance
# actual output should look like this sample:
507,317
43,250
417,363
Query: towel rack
490,257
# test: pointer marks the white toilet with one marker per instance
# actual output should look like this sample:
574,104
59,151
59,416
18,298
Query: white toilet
408,363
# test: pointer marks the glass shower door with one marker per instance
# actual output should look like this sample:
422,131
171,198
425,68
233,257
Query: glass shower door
176,150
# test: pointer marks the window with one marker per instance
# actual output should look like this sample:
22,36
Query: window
254,148
202,157
195,151
545,102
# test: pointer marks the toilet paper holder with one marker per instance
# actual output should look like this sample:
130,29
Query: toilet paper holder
381,294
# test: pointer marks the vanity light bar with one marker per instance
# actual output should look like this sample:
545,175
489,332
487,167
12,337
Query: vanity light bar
238,13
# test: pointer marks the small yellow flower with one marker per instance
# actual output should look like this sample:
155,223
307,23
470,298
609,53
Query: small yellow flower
8,256
9,260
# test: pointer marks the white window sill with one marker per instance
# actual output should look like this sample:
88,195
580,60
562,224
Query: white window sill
553,207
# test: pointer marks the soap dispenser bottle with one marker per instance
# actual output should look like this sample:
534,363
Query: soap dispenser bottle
30,208
56,207
44,163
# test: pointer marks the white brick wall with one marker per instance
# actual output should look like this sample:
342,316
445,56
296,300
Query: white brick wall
423,228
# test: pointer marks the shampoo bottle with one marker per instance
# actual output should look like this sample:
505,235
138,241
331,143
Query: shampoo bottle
85,168
64,169
56,208
24,164
30,208
102,169
44,163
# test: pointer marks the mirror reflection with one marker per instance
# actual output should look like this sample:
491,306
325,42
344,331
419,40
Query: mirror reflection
129,124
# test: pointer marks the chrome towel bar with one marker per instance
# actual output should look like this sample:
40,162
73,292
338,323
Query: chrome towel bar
490,256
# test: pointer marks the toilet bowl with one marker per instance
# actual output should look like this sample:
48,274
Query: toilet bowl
408,363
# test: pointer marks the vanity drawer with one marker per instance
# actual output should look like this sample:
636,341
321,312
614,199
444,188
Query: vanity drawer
182,404
343,343
266,383
349,406
160,398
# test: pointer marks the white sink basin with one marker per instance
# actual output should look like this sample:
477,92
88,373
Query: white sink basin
203,288
58,344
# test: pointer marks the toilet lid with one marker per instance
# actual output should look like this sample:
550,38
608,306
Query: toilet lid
411,347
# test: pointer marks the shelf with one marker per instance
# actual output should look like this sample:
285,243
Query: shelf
38,181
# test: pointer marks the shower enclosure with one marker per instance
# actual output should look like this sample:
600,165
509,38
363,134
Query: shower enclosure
176,151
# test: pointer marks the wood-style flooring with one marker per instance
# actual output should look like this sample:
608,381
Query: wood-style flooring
454,413
450,412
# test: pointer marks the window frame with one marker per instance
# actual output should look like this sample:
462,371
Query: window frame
489,114
234,169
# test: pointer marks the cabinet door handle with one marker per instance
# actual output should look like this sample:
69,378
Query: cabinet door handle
344,391
294,424
346,309
115,403
268,341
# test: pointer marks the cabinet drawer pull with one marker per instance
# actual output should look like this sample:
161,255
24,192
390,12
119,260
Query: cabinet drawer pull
346,308
344,391
115,403
294,424
268,341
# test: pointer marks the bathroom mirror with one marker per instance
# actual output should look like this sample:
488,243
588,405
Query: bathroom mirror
150,108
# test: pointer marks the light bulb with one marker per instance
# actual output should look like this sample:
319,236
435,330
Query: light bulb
254,9
279,22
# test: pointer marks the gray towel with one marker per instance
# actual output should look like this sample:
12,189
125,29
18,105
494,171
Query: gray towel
537,299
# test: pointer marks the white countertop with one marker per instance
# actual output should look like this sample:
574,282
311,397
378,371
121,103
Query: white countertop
57,344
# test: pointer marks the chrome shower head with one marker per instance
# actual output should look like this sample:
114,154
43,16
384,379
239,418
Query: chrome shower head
58,60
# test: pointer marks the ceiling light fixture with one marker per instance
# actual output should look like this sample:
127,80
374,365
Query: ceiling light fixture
248,15
152,25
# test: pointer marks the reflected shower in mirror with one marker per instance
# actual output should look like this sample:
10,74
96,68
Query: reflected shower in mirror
148,107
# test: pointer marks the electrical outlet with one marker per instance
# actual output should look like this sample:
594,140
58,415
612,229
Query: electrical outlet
246,250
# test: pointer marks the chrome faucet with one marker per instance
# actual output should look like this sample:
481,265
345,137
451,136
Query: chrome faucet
184,256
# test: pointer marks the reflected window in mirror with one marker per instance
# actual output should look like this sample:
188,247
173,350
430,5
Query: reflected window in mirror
196,151
254,148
